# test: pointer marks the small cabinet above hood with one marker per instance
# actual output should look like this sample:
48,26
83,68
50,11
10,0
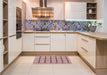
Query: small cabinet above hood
43,11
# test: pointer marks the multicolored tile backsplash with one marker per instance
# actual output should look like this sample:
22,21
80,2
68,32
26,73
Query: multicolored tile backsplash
48,25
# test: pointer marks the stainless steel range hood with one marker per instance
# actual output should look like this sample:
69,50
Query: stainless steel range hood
43,11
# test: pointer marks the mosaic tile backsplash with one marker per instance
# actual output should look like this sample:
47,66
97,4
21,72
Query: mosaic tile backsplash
48,25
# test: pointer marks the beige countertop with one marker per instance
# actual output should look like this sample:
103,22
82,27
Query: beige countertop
96,35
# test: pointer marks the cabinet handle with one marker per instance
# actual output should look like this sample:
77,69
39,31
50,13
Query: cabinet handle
42,44
84,49
85,40
42,36
12,35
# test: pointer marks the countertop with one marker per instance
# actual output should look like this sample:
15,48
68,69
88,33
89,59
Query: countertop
96,35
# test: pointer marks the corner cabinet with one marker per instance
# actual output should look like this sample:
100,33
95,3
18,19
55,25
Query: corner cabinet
87,49
58,41
75,10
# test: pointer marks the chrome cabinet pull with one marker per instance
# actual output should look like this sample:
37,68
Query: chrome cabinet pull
84,49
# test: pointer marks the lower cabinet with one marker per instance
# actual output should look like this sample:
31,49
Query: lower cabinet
58,42
42,42
19,45
87,49
49,42
12,48
71,42
1,55
28,42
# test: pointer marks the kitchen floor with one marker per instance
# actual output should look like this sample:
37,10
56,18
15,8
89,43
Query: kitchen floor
24,66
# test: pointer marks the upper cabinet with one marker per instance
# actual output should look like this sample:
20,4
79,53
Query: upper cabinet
1,10
91,10
75,10
12,17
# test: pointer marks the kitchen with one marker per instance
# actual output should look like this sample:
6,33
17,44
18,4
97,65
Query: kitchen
53,37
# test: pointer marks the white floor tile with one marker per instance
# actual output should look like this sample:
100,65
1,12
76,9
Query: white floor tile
24,66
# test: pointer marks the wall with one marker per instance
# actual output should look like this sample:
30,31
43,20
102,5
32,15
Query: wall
48,25
100,13
105,16
19,3
58,8
29,5
57,4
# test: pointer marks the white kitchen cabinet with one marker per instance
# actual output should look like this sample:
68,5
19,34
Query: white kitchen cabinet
28,42
1,61
58,41
1,16
12,48
71,42
12,17
1,55
42,42
87,48
19,45
75,10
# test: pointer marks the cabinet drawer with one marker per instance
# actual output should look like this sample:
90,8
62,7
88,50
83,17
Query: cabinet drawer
84,40
42,40
42,34
42,47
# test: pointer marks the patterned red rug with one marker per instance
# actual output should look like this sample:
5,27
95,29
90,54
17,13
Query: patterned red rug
52,60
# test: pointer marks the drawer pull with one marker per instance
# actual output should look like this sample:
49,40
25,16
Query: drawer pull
42,36
84,40
84,49
42,44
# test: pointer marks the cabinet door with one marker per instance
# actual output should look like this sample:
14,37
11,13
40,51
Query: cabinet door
1,55
92,52
19,45
71,42
12,17
58,42
1,10
28,42
12,48
75,10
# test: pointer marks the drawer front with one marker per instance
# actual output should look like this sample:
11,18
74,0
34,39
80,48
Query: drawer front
42,34
42,47
84,41
42,40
